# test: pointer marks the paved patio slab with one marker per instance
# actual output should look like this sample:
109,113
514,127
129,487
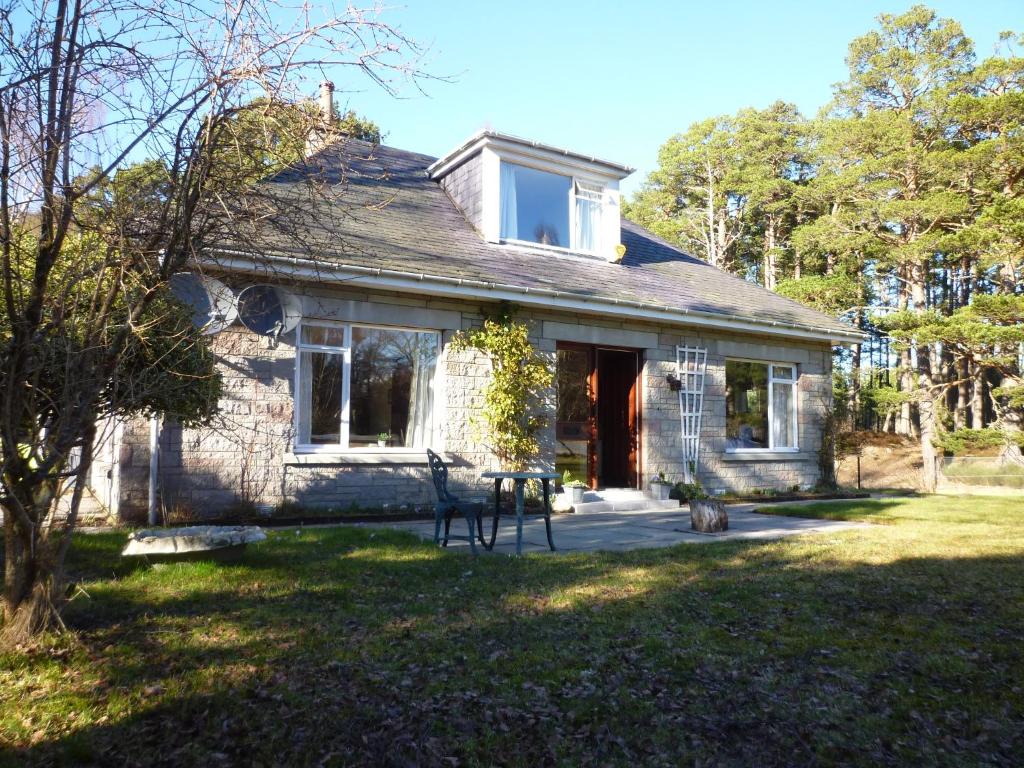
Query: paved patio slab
620,531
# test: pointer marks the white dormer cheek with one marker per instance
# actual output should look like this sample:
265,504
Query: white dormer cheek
611,234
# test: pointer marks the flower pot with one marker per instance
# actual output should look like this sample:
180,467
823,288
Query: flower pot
708,516
660,491
577,493
382,443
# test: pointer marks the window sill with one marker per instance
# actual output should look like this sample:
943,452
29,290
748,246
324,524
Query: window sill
529,245
767,456
358,456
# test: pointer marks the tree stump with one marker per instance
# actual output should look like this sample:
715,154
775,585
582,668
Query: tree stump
708,516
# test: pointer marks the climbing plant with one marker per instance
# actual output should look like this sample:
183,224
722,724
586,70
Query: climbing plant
514,410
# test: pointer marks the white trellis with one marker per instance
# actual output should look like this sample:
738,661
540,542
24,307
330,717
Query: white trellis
691,363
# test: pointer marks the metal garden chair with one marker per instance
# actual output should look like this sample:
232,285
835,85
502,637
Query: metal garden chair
448,504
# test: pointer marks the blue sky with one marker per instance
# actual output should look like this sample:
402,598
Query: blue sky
616,79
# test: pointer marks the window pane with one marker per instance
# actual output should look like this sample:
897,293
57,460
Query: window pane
746,405
782,416
323,335
782,372
571,457
319,401
392,387
534,205
573,376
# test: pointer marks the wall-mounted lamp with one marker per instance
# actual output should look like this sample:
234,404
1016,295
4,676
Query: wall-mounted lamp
673,382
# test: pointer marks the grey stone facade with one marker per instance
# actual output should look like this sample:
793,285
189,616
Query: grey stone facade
464,186
247,456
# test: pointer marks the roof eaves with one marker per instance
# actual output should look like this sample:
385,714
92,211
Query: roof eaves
320,270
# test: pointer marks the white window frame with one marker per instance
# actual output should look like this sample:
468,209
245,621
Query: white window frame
574,180
346,386
772,379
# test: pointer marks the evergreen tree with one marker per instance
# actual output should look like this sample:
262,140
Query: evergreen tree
904,194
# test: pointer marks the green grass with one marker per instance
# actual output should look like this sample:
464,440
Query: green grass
888,644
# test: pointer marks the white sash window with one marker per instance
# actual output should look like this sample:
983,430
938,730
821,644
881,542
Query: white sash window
364,387
549,209
760,406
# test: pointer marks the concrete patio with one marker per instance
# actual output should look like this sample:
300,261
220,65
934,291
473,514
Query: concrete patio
619,531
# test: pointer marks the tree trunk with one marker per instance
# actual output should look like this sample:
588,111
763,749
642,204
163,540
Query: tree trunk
963,390
926,409
977,395
708,516
1008,276
770,256
929,363
35,552
905,421
723,239
853,396
28,601
713,257
1012,422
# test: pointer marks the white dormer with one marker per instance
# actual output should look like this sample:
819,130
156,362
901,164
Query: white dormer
524,193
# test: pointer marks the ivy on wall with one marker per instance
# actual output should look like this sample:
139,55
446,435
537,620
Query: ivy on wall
515,408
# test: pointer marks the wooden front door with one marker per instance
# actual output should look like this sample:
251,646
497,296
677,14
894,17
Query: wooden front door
617,418
598,419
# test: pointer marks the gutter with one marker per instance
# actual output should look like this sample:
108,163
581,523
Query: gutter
486,137
293,266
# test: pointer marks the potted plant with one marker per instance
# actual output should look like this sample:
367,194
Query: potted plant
660,487
574,486
382,439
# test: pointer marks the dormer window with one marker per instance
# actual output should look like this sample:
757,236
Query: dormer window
523,192
549,208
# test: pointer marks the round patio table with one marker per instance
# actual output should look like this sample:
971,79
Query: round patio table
519,480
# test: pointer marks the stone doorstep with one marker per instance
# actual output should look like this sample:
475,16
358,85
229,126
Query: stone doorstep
626,505
622,500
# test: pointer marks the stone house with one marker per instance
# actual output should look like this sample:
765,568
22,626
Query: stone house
396,252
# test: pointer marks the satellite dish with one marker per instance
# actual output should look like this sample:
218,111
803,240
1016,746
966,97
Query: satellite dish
268,310
212,303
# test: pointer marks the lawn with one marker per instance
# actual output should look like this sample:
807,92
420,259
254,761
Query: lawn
889,644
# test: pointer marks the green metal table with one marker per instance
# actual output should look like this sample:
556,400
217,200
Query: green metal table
519,480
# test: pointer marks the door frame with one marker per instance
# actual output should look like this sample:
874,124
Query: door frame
594,384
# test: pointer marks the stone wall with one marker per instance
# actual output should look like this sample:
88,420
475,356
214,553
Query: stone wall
246,457
464,186
719,471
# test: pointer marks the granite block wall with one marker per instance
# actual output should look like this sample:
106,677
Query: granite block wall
246,457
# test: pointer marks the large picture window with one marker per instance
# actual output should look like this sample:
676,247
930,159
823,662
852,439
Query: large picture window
550,209
760,406
359,386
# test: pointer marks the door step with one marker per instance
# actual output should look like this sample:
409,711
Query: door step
622,500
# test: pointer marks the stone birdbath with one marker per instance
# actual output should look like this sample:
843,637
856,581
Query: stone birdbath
197,542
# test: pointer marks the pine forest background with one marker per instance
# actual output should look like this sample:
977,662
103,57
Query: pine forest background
899,207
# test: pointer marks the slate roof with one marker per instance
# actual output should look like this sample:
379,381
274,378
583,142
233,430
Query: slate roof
375,207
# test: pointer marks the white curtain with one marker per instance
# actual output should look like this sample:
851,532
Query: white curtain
588,216
421,393
509,206
305,399
782,415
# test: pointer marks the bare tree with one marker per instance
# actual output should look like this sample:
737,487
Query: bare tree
131,132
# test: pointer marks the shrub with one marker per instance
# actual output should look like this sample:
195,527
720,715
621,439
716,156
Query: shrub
964,442
515,397
687,491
